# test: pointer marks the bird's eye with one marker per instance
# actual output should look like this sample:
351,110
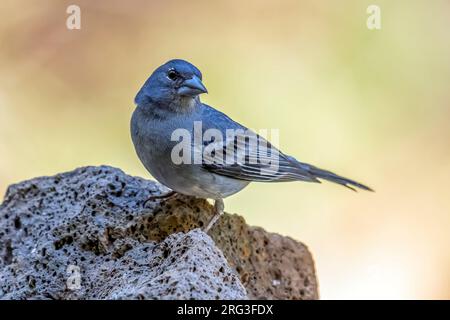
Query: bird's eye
172,75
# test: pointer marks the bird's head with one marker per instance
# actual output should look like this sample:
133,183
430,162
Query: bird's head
175,84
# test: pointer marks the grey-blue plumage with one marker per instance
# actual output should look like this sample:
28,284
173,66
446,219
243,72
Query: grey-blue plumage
169,100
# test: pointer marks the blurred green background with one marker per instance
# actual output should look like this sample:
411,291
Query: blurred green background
370,105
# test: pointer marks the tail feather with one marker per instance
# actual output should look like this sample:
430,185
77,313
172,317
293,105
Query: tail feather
330,176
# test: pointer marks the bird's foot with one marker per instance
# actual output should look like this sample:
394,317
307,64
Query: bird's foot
163,197
218,210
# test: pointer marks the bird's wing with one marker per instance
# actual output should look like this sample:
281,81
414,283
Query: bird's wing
256,163
248,156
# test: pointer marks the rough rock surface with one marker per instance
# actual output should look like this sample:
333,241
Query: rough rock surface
92,222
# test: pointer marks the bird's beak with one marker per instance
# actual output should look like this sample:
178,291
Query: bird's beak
192,87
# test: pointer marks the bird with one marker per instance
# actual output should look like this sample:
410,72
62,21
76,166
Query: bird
169,102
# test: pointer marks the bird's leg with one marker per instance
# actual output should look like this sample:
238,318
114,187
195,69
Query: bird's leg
218,210
164,197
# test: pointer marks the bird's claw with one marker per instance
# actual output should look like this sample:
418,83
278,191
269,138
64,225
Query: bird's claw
163,197
218,210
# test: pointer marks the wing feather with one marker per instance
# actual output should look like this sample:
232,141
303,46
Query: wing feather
251,158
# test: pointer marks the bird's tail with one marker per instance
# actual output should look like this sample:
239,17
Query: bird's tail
330,176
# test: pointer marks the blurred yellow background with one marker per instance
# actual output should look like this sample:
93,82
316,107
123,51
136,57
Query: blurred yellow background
373,105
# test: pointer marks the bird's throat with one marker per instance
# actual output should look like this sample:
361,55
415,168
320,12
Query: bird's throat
185,104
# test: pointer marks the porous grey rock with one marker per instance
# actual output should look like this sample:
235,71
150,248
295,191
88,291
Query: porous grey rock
94,219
